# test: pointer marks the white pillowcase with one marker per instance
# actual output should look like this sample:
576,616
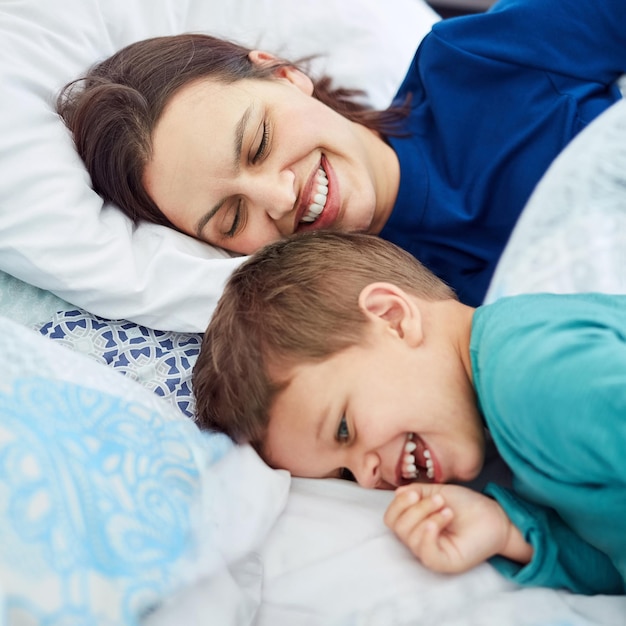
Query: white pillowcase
56,232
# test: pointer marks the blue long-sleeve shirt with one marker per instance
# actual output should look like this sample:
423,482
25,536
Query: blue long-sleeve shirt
495,98
550,377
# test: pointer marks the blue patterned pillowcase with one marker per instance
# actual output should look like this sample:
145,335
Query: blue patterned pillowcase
110,500
161,361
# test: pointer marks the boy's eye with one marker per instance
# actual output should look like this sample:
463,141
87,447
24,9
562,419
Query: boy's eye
343,434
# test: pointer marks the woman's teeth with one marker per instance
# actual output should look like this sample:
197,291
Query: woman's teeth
409,464
319,199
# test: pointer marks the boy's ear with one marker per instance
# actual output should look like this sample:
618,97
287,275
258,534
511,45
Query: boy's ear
395,308
288,72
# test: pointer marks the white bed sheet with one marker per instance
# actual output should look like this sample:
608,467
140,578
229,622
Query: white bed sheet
330,561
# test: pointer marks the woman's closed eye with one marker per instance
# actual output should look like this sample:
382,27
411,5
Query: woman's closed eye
263,144
238,212
238,220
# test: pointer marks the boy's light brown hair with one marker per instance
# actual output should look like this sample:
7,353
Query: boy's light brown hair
292,302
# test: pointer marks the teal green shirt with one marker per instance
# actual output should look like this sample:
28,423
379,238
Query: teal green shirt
550,375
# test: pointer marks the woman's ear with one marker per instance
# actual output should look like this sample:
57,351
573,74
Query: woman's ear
398,311
288,72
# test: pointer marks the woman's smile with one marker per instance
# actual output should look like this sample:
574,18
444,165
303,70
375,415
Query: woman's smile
320,208
317,196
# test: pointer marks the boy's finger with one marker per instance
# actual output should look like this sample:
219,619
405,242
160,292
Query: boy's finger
402,501
415,515
423,541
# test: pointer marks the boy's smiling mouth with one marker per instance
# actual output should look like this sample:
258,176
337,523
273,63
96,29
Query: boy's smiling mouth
416,462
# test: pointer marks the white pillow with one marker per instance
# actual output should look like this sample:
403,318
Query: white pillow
56,233
112,502
571,236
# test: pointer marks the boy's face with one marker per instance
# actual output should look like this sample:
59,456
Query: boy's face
397,408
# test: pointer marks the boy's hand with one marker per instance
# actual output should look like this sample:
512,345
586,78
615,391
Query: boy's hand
451,529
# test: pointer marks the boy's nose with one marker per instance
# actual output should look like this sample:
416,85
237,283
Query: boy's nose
367,471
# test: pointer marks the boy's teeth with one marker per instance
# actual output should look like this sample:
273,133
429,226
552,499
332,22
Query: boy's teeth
409,464
430,470
319,199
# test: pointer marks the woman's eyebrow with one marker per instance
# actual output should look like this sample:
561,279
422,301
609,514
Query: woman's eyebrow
240,131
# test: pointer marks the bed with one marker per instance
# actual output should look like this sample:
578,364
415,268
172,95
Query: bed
115,508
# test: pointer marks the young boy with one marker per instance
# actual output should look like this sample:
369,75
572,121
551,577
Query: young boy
331,352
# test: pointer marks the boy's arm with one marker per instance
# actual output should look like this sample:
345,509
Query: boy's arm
451,528
550,372
560,557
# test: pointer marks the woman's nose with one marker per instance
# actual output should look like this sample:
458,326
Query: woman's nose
279,194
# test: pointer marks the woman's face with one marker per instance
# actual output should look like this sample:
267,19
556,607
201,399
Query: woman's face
240,165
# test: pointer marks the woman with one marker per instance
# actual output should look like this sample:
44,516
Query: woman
239,148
